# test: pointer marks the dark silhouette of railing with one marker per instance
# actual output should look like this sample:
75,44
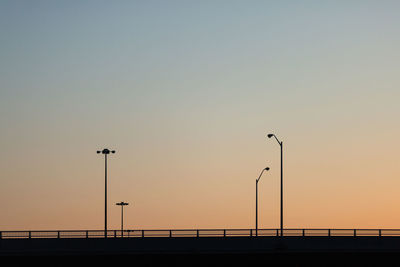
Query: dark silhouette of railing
176,233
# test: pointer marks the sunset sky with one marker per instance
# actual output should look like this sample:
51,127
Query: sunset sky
186,92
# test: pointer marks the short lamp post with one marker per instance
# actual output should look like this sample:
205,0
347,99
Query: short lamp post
122,204
257,180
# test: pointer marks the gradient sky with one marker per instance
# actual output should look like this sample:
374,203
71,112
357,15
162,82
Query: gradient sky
185,92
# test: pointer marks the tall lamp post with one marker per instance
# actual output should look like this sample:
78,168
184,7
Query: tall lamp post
257,180
122,204
281,145
105,152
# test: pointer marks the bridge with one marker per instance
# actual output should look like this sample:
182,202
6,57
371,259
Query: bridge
182,246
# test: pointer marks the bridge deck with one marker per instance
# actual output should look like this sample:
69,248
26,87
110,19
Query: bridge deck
201,251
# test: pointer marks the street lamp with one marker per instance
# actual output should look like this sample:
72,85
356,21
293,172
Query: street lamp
122,204
105,152
281,144
257,180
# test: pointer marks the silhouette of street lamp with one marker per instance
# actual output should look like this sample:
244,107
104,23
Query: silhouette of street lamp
105,152
281,144
122,204
257,180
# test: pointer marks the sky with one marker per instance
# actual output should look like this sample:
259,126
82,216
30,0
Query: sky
186,92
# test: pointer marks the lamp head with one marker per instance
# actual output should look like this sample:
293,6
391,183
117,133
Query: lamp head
270,135
267,169
105,151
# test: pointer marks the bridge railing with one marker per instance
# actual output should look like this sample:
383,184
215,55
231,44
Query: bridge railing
177,233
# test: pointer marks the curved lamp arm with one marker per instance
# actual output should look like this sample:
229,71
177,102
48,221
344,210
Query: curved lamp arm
265,169
270,135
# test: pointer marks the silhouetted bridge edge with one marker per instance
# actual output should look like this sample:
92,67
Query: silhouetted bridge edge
197,233
200,242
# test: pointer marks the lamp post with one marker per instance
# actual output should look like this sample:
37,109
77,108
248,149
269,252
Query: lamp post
257,180
105,152
122,204
281,145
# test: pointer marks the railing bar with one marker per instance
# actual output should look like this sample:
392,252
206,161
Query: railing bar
202,232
